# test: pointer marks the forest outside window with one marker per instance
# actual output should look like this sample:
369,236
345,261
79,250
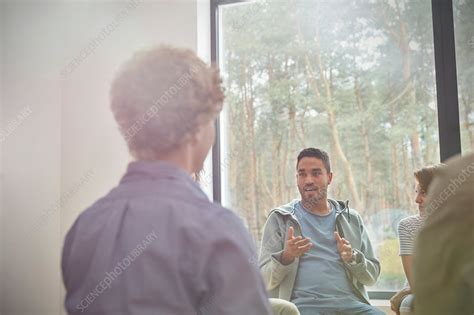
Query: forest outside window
355,78
463,11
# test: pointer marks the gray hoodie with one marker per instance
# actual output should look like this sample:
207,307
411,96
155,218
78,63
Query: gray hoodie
280,279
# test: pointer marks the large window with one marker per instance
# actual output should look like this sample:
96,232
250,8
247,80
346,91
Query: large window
464,26
355,78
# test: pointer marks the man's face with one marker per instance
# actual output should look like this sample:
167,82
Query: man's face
312,179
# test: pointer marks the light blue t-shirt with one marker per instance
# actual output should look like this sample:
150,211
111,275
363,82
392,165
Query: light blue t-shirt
321,283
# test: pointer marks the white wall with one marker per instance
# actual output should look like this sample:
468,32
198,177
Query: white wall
62,150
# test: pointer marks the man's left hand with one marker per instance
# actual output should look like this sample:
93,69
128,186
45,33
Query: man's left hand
344,248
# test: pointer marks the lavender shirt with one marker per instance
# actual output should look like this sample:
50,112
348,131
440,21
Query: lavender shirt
156,245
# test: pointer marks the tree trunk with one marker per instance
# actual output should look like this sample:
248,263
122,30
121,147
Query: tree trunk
396,190
404,45
467,125
249,113
365,138
407,191
328,104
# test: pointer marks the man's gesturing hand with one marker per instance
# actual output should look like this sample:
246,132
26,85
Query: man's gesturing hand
344,248
295,247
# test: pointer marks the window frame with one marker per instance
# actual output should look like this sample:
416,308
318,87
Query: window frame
446,91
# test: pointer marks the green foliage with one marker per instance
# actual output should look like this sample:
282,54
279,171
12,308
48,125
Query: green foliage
392,269
358,75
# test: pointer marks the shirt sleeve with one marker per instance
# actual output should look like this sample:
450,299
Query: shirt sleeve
235,285
406,238
273,240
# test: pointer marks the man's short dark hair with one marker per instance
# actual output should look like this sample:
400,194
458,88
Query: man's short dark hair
316,153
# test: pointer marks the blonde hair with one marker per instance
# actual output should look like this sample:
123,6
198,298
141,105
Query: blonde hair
161,96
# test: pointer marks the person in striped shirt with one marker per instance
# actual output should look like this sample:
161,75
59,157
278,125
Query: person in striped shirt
408,229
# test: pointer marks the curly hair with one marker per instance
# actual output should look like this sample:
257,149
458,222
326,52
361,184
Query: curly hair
161,96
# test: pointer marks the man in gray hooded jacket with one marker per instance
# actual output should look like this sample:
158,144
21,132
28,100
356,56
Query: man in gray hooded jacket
315,251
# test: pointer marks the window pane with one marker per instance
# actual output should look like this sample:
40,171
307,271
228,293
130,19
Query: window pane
355,78
464,37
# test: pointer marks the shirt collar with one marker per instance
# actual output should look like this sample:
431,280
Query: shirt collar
158,169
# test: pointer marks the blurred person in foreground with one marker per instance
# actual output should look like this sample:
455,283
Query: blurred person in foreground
278,306
444,251
155,244
408,229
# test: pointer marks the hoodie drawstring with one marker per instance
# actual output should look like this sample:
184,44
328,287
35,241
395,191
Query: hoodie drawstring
347,209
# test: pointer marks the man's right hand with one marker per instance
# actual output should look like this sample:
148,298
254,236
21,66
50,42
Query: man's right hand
295,247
